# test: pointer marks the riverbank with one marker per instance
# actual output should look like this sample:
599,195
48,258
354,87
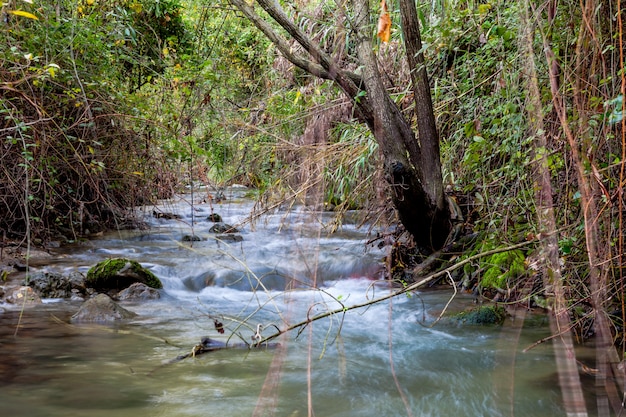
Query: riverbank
15,262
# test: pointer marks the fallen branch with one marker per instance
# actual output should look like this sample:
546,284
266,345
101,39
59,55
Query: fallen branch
210,345
207,345
401,291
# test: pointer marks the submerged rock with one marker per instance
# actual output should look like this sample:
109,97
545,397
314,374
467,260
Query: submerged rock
165,215
101,309
192,238
118,274
215,218
201,281
484,315
228,237
221,227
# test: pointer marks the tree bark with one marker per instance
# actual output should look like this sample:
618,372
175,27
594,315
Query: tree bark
428,136
608,371
414,188
560,323
412,167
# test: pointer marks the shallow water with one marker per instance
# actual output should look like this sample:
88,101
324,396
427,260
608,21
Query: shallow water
376,361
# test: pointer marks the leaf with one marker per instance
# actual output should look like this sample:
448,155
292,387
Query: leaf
23,14
384,23
52,69
136,7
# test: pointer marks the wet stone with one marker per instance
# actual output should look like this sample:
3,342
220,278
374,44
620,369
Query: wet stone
138,291
223,228
101,309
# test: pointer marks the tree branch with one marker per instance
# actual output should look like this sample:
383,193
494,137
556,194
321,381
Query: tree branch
321,71
281,43
428,159
404,290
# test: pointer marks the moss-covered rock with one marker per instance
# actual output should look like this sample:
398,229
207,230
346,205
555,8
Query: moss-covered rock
483,315
118,274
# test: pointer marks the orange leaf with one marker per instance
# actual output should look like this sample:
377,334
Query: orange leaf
384,23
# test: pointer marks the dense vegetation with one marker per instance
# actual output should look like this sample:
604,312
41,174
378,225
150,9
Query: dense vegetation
110,104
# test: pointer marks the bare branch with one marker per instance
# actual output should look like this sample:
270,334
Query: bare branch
322,69
301,325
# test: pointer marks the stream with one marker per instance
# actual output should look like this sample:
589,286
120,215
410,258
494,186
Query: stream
387,359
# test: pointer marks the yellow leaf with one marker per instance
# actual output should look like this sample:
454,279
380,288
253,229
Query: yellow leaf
52,69
89,2
166,52
484,8
23,14
137,7
138,173
384,23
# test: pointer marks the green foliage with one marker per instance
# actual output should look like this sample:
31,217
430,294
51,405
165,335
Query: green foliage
615,112
503,268
349,177
486,154
69,143
150,36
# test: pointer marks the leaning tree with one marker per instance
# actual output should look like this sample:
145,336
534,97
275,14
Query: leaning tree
412,164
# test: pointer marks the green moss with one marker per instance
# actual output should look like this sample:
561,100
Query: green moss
484,315
503,267
119,273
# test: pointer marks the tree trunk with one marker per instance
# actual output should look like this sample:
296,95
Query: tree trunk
417,192
560,323
609,373
412,167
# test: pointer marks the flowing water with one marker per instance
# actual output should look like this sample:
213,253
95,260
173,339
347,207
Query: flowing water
381,360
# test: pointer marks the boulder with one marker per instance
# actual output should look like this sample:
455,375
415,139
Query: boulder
227,237
192,238
56,285
200,282
22,295
119,273
165,215
101,309
138,291
483,315
215,218
222,227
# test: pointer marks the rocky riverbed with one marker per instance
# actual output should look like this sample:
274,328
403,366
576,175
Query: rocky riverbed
26,282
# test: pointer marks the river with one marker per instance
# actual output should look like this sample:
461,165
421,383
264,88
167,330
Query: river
383,360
